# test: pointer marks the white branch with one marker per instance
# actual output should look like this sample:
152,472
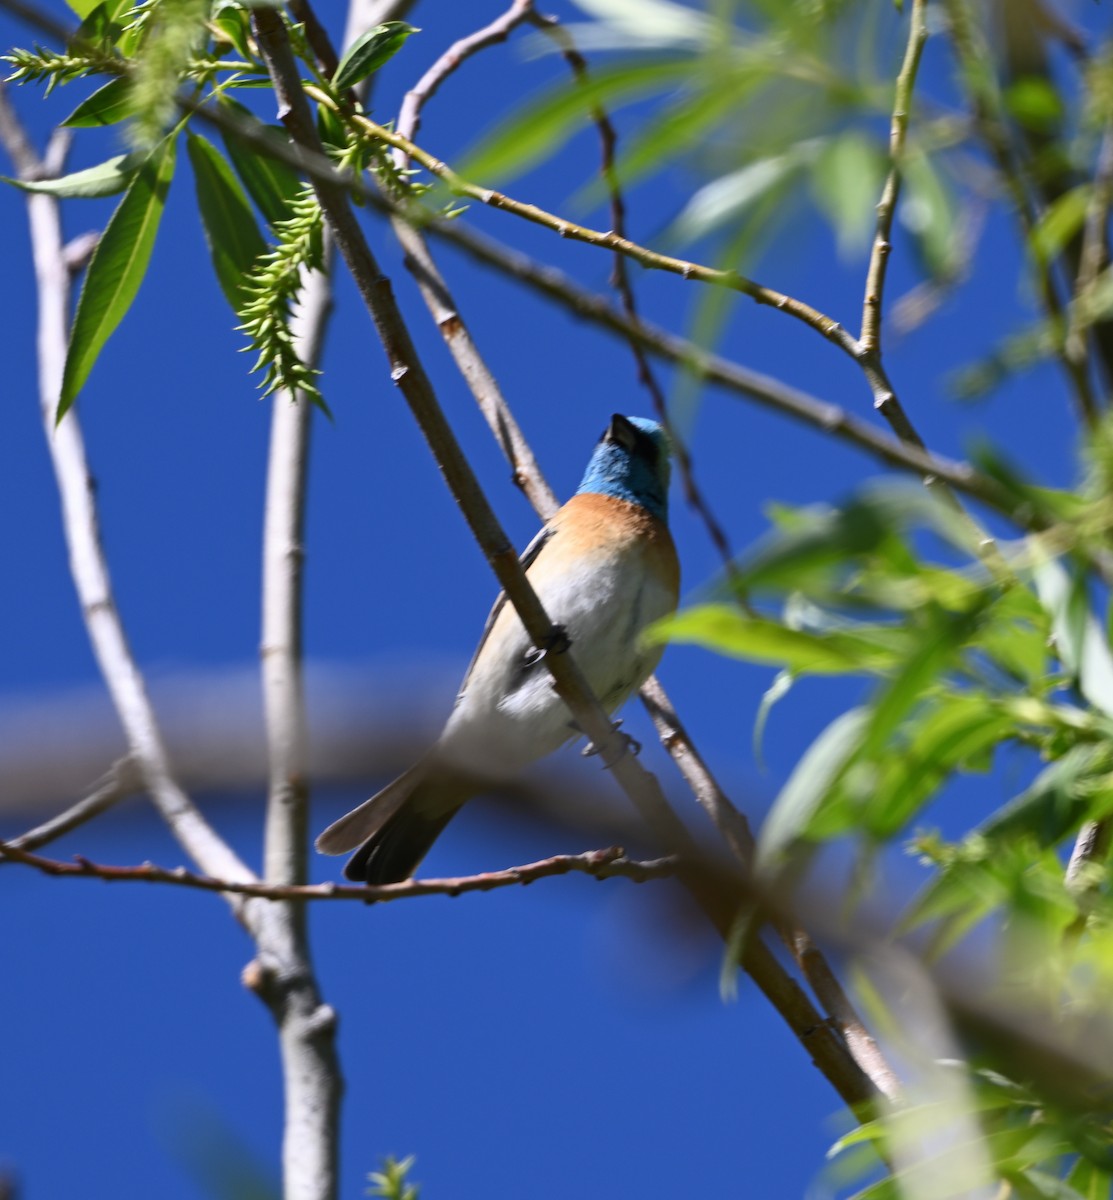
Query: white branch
81,525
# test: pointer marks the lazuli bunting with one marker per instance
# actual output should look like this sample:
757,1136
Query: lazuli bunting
604,567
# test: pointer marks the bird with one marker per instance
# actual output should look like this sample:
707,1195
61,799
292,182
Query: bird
605,567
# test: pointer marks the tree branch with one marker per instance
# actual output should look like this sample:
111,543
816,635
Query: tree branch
81,525
407,372
730,823
870,338
283,975
650,259
599,864
498,30
120,781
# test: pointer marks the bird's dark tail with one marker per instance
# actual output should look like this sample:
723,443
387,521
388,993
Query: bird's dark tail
395,852
395,829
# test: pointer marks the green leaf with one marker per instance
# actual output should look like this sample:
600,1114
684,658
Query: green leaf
271,183
1079,640
927,212
234,23
809,786
117,268
1060,223
105,179
937,645
728,630
846,181
675,130
230,229
1075,788
1035,103
541,127
725,199
777,690
952,732
105,106
369,52
1090,1181
813,545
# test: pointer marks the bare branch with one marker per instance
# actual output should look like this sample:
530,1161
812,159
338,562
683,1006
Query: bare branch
870,339
311,1072
731,823
770,393
79,250
409,115
599,864
650,259
409,374
80,520
122,780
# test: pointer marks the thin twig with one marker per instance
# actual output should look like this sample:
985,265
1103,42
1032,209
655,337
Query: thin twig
870,338
599,864
409,374
121,781
498,30
837,1004
620,281
608,240
764,389
730,822
977,76
434,290
772,393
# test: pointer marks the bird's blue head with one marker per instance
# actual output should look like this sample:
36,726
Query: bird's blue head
631,462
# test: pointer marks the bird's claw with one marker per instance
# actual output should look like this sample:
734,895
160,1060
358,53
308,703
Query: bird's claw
558,642
630,745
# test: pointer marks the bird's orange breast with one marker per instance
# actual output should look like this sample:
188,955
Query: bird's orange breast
589,524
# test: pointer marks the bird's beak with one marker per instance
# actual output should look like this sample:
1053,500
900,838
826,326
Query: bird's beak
621,431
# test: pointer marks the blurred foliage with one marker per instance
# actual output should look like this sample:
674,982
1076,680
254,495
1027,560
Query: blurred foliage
966,650
392,1181
768,102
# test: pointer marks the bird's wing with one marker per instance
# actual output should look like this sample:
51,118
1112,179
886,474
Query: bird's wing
527,559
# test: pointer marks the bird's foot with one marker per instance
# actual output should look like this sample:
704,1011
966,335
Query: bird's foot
631,745
558,642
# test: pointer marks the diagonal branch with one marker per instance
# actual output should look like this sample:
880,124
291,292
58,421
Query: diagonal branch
608,240
120,781
408,373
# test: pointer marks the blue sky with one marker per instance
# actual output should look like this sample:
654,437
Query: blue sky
564,1038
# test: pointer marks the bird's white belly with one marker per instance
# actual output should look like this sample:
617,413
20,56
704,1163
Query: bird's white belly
510,715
